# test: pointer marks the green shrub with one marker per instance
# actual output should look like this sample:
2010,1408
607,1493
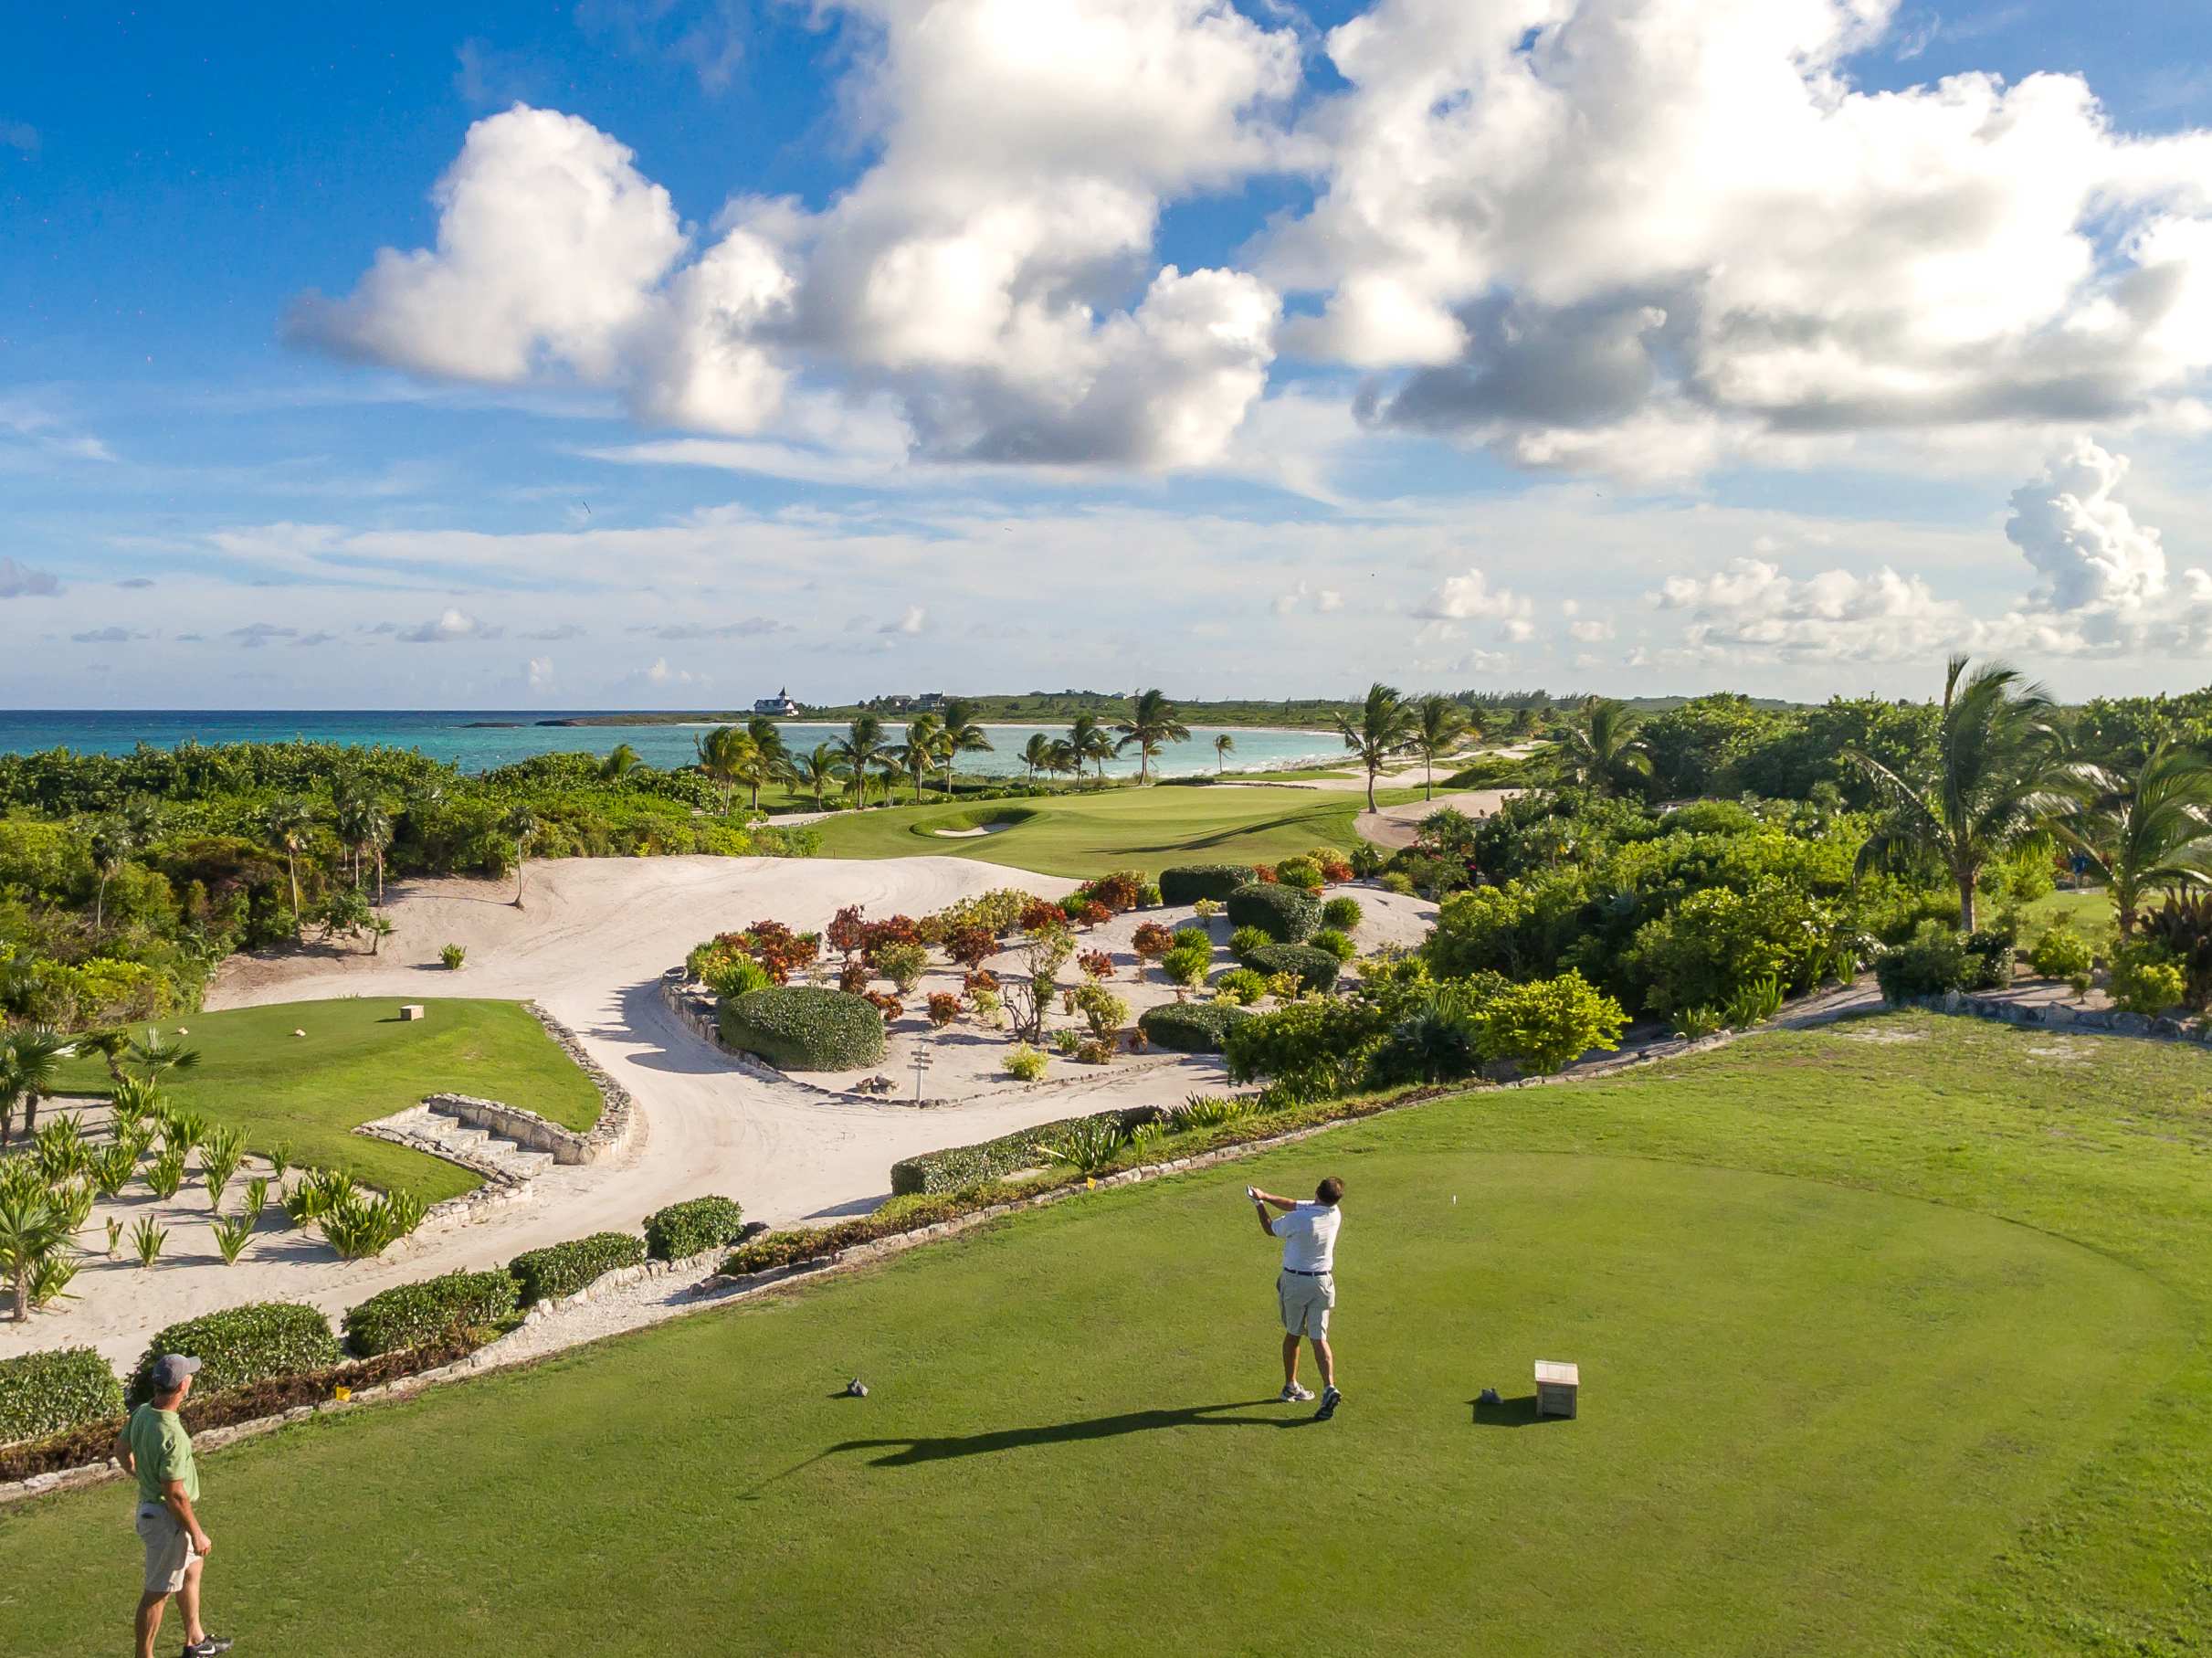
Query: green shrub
1192,938
1186,965
1244,940
1026,1064
903,965
738,975
1336,942
1932,961
1754,1004
413,1315
1547,1025
1283,914
1189,882
2146,980
43,1393
805,1028
1242,985
1299,872
687,1228
1190,1027
453,956
1991,951
1397,882
963,1166
1317,969
1343,913
242,1345
563,1269
2061,953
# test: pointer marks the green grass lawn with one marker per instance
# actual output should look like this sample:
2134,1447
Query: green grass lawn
1146,829
357,1063
1892,1340
2089,913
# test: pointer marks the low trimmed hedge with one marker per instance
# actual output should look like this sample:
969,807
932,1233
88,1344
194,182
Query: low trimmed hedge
242,1345
563,1269
1190,1027
1316,970
959,1166
43,1393
1284,914
805,1028
687,1228
408,1315
1189,882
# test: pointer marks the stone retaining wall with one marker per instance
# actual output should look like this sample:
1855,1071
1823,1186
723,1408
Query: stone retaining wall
617,1111
2057,1016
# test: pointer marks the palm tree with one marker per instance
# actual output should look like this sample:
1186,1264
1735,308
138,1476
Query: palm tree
110,1042
31,1232
110,847
521,826
1384,727
1223,746
1091,742
921,750
765,732
620,762
1437,726
863,749
817,771
722,755
156,1056
1037,754
30,1067
1060,756
1601,751
1152,722
759,766
962,736
1999,778
2154,833
286,823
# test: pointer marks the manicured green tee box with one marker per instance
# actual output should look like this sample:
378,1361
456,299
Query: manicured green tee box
1889,1337
359,1061
1134,829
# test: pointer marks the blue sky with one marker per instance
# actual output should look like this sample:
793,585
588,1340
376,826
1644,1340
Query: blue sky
1633,344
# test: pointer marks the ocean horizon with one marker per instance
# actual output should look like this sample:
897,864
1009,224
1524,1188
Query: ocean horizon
479,740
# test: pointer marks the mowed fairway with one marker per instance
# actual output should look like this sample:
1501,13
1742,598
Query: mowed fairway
1890,1339
1136,828
358,1062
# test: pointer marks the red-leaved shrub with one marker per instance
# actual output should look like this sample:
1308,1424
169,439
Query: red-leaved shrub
944,1007
1153,941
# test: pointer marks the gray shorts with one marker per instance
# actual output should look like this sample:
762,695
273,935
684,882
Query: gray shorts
1305,1303
168,1548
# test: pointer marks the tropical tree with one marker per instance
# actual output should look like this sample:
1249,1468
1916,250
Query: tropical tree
1438,724
818,770
1999,778
287,823
1601,750
863,749
1384,727
620,762
1061,758
767,734
2151,832
1223,746
363,824
962,735
31,1232
723,753
110,1042
923,748
30,1069
154,1056
1037,754
109,846
1092,744
520,825
759,766
1153,722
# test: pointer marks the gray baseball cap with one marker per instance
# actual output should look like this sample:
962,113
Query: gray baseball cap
170,1370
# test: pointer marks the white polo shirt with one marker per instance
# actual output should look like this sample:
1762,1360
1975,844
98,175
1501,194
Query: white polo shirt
1309,1237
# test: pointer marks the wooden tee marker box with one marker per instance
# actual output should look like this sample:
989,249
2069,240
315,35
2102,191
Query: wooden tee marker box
1556,1385
410,1011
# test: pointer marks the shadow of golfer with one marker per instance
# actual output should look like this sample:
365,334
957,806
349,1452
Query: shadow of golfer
907,1452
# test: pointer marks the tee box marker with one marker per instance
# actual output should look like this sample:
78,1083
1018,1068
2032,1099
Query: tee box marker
1557,1386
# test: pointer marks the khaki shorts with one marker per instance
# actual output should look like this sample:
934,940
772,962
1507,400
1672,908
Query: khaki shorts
168,1548
1305,1303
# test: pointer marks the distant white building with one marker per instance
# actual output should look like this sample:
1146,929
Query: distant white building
780,703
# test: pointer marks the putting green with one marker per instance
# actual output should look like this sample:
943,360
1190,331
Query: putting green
1812,1417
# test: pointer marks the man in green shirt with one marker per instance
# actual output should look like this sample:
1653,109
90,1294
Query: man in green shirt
154,1446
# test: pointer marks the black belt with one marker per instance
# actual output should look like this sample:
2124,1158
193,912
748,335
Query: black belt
1303,1273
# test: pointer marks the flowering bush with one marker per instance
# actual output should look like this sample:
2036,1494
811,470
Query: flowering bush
969,946
882,936
853,976
944,1007
778,949
888,1005
1264,872
1095,963
979,981
1041,915
1093,913
848,930
1153,941
1121,890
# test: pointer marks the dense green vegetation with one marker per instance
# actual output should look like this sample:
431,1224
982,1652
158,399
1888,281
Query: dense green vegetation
1831,1403
359,1061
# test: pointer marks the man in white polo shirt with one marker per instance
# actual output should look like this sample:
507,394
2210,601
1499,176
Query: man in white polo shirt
1307,1287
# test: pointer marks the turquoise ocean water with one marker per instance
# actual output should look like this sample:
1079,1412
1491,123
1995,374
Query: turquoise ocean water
478,741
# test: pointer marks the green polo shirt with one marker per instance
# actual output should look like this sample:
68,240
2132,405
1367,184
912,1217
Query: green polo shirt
163,1451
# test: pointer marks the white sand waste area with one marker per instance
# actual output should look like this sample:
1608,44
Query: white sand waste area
590,946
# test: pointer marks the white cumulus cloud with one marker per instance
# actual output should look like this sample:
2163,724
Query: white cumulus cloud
449,626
